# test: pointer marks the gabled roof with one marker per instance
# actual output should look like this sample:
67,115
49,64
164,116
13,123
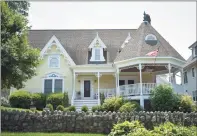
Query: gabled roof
193,45
190,62
137,46
76,42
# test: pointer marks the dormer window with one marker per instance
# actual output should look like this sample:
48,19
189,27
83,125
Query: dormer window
97,48
54,61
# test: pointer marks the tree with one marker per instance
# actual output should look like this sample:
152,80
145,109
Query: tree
18,59
163,98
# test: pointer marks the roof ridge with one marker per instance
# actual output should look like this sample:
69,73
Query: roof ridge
74,29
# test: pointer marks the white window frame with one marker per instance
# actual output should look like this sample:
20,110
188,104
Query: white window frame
53,82
93,57
54,56
193,74
184,78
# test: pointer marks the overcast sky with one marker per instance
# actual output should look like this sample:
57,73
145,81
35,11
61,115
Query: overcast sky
175,21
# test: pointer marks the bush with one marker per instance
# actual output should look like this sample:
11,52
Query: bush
127,107
65,99
20,99
112,104
186,104
50,106
102,98
66,109
72,108
137,106
97,108
123,129
55,99
5,102
60,107
39,100
163,98
84,108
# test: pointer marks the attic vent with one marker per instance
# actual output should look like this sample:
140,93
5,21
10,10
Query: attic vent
151,39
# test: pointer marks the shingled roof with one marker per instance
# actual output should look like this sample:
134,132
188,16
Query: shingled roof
76,42
137,46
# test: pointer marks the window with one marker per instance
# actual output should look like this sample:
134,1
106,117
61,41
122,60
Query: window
54,61
194,94
53,85
196,51
193,72
97,54
185,77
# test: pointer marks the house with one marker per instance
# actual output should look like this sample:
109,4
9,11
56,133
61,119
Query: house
190,69
113,61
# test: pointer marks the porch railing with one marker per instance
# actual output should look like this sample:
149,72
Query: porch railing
134,89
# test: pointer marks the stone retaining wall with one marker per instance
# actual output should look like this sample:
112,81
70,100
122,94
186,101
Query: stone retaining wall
97,122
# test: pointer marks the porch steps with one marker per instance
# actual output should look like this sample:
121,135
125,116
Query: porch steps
89,103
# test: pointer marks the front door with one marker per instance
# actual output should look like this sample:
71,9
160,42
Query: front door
86,88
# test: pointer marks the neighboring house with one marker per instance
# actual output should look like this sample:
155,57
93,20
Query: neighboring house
114,61
190,76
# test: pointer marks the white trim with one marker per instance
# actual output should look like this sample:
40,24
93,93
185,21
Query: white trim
92,45
54,56
53,81
55,41
91,87
93,57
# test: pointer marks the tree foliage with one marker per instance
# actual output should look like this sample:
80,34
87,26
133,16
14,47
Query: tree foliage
163,98
18,59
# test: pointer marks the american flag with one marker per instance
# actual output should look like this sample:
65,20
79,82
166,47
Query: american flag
152,53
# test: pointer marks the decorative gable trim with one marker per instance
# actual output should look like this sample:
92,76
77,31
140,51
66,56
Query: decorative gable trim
55,41
96,43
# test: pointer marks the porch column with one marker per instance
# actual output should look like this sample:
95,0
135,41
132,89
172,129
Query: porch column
98,76
169,69
182,77
73,94
117,83
141,93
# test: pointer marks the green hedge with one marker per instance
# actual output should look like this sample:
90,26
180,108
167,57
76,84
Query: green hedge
39,100
55,99
65,99
112,104
20,99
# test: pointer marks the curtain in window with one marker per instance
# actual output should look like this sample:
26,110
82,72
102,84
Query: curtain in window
48,86
97,54
58,85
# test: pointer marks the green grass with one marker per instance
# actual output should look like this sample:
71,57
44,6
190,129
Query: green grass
49,134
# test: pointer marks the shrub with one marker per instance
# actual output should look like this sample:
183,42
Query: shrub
55,99
72,108
163,98
102,98
60,107
123,129
137,106
5,102
65,99
39,100
84,108
112,104
127,107
66,109
50,106
186,104
20,99
97,108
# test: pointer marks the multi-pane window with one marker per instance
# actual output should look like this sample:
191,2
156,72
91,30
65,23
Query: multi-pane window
53,85
194,94
54,61
185,77
193,72
97,54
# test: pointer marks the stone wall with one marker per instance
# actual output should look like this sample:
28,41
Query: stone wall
97,122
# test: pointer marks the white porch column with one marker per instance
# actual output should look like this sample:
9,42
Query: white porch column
98,76
169,69
182,77
73,94
141,93
117,83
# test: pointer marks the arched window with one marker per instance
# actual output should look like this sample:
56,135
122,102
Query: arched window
54,61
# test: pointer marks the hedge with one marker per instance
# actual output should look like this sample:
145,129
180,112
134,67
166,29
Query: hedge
55,99
38,100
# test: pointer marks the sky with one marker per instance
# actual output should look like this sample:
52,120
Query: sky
175,21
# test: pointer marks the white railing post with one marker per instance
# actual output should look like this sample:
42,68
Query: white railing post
117,83
169,69
73,94
98,76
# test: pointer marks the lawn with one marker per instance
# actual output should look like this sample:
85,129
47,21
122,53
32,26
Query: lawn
49,134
